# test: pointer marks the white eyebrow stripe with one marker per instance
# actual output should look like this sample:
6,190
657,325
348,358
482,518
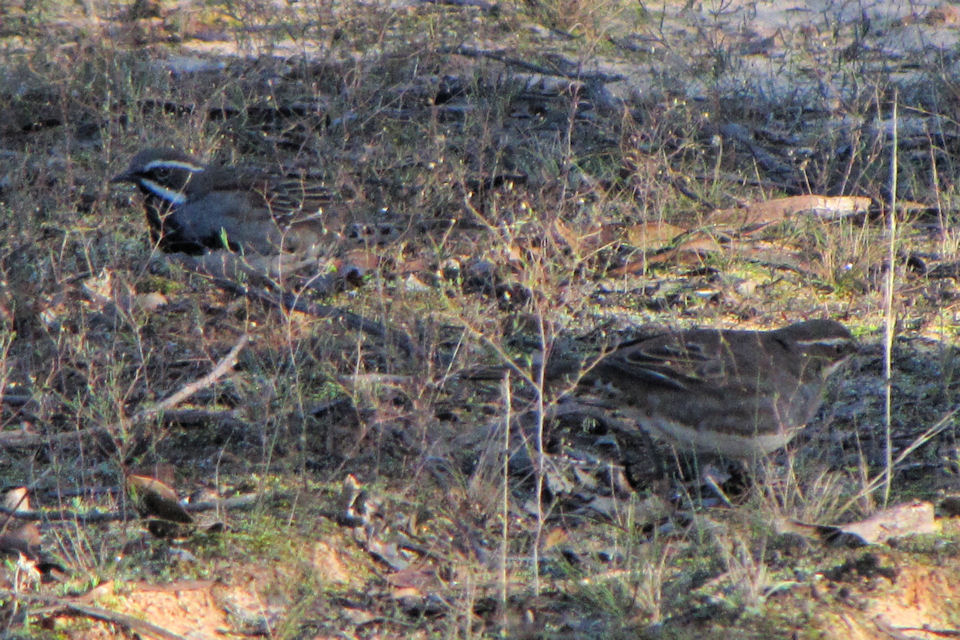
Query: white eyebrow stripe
825,341
172,164
169,195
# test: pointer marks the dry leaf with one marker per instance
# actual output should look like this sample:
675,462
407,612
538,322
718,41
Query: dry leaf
420,577
652,235
901,520
690,251
17,499
361,260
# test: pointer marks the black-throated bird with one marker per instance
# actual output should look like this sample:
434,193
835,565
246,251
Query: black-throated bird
192,208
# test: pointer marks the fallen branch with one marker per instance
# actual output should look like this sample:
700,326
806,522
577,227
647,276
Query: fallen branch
224,419
224,366
585,76
293,302
16,399
244,501
478,4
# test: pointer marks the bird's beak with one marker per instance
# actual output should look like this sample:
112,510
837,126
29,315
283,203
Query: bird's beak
126,176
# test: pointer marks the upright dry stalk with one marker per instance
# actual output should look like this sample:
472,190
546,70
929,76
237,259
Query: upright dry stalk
504,543
541,457
888,311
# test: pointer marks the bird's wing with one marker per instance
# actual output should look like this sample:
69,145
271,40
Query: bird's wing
706,359
293,200
290,197
666,360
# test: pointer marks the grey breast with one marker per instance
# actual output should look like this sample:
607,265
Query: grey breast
231,216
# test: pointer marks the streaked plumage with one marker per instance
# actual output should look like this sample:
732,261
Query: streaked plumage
738,393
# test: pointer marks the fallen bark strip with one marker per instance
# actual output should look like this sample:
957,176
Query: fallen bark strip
224,366
752,217
67,606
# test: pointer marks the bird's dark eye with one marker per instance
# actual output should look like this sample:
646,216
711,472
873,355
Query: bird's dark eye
162,173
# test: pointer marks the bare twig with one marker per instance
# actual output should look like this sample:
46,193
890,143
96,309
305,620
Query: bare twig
881,479
226,364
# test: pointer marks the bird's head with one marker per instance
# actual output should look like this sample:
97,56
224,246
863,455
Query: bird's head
162,172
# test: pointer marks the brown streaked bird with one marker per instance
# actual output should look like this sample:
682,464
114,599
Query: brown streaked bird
738,393
154,498
192,208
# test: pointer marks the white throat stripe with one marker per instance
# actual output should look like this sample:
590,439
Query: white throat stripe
168,195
